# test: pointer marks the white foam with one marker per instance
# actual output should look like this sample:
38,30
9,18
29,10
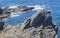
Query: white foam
14,15
38,7
5,19
13,7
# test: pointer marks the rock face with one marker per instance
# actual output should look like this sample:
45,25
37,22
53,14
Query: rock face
43,18
38,25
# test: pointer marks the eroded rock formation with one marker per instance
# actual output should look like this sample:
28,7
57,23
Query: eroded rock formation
38,25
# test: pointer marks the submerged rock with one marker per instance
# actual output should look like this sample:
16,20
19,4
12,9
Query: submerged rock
38,25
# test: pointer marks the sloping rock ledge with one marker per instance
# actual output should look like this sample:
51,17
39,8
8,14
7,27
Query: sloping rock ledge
38,25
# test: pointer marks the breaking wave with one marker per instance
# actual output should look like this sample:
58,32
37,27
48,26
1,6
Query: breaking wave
15,14
38,7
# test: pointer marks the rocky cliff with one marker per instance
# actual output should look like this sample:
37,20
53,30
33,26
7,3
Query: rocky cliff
38,25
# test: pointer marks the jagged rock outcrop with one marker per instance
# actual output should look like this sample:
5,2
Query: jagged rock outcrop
38,25
17,9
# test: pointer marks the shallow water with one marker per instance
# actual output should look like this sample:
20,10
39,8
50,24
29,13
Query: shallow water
19,17
53,5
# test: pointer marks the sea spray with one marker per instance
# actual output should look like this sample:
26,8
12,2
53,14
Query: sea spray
38,7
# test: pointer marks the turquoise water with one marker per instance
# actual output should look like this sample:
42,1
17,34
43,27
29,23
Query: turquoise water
53,5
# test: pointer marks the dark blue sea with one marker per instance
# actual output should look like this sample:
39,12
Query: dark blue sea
53,5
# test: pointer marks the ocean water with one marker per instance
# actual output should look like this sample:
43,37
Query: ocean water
53,5
19,17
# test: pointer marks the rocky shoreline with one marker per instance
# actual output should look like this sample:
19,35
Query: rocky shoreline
6,11
38,25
